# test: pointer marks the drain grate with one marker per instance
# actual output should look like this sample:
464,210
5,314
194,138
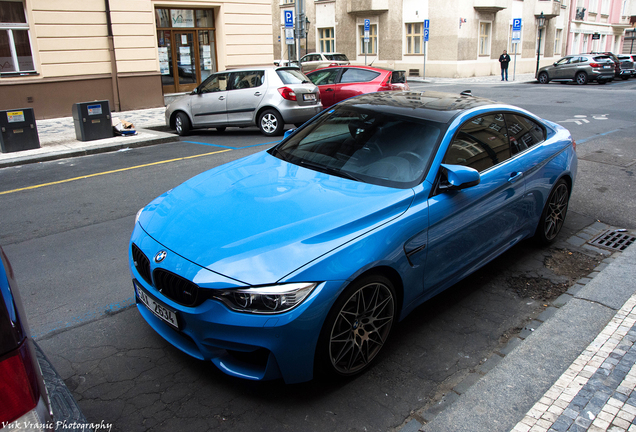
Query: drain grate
613,240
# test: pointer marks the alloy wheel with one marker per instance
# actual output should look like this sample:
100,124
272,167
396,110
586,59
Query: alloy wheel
269,123
361,328
179,125
557,209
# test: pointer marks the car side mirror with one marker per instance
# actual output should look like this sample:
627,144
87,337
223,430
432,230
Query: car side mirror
195,91
554,64
288,133
459,177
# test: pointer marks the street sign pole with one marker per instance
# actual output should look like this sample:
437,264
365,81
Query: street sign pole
367,27
289,33
424,40
516,37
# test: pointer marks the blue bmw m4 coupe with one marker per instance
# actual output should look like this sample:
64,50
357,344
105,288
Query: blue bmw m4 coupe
303,257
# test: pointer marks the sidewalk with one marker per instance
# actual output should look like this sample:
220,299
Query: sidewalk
58,140
574,372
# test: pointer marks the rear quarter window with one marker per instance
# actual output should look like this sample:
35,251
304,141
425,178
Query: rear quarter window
352,75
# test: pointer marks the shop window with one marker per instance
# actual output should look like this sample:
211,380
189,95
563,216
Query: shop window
16,57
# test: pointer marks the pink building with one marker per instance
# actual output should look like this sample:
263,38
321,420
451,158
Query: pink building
599,26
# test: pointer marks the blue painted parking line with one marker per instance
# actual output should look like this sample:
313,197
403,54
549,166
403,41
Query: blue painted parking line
232,148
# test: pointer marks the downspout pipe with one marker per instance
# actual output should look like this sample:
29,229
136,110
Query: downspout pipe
113,59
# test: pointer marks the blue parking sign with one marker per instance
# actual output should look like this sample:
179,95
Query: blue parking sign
367,25
289,19
425,35
516,24
426,23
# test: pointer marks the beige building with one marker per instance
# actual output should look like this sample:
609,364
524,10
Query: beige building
466,36
54,53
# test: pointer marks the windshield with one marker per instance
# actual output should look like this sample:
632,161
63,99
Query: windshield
292,76
364,145
336,57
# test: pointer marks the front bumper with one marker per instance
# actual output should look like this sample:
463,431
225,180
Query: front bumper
249,346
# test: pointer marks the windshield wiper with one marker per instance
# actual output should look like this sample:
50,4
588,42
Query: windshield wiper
329,170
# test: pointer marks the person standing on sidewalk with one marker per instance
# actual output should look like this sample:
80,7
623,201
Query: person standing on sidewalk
504,59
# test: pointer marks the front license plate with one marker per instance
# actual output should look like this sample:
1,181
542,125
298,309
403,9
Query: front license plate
309,97
162,312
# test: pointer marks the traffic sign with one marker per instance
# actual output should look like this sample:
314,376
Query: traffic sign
367,27
516,24
289,19
426,24
425,35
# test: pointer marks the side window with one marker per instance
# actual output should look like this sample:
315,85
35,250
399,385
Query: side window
575,60
247,79
352,75
327,76
215,83
563,61
523,132
480,143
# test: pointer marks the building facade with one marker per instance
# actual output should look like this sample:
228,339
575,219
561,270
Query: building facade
466,37
130,52
598,26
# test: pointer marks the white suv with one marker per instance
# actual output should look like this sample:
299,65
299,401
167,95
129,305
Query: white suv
320,60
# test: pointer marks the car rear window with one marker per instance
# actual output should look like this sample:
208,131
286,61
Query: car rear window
602,59
292,76
353,75
398,77
336,57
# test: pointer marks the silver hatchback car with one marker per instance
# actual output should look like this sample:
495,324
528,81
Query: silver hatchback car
267,97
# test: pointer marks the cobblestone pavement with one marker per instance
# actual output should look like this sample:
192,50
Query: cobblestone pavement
596,393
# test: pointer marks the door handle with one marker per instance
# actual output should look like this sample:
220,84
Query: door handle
257,93
221,97
329,89
515,176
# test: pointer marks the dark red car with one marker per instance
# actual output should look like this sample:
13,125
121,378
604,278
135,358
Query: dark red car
337,83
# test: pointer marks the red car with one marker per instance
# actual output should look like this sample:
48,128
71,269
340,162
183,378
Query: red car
337,83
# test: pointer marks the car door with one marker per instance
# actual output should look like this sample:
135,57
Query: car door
209,105
356,81
470,226
560,70
247,89
326,80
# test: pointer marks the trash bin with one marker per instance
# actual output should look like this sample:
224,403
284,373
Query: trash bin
92,120
18,130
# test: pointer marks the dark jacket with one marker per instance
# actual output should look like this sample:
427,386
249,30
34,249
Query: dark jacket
504,59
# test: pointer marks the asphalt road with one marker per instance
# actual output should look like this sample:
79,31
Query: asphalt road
67,238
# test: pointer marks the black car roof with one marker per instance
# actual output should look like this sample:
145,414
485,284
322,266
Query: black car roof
431,105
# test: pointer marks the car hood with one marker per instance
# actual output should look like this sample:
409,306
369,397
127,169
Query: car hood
258,219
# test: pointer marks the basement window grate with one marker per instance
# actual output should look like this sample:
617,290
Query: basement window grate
616,240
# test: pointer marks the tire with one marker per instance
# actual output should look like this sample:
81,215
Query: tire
271,123
182,124
357,327
553,214
581,78
544,78
220,129
624,77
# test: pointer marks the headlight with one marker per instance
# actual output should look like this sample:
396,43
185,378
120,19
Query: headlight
267,299
138,214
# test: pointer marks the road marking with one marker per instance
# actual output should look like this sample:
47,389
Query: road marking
232,148
580,119
111,172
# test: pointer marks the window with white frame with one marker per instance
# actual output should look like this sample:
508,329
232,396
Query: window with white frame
414,38
16,57
557,41
593,6
373,40
326,40
605,7
484,38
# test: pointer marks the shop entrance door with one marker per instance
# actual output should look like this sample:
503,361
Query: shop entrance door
187,58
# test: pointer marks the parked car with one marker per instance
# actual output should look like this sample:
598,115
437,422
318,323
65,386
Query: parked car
267,97
31,391
340,83
284,62
313,61
627,64
580,68
618,70
307,255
